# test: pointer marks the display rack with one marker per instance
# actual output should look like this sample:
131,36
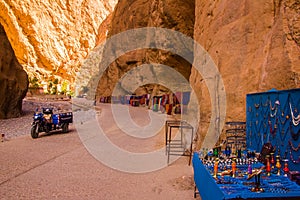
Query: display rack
236,135
274,117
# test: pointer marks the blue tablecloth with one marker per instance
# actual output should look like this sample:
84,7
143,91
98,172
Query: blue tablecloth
231,188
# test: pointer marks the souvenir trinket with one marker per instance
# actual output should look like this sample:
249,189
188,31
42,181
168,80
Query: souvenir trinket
286,167
268,165
278,165
272,161
233,166
216,165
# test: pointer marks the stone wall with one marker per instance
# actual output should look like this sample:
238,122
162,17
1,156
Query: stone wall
172,14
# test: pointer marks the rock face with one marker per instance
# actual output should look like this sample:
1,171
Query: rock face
13,80
51,38
172,14
256,46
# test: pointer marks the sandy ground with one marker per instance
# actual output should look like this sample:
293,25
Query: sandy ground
58,166
21,126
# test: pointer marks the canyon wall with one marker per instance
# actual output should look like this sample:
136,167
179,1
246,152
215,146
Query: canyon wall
52,38
172,14
13,80
255,45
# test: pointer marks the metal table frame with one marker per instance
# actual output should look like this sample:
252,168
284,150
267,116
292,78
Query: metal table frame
174,147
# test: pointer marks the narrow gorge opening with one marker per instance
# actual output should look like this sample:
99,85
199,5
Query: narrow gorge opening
13,80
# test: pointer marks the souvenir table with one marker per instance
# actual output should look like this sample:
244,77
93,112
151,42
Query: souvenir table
239,187
273,121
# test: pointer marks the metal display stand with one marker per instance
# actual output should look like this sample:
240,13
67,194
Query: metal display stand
236,135
175,146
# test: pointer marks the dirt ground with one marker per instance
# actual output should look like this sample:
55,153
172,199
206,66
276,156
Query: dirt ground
58,166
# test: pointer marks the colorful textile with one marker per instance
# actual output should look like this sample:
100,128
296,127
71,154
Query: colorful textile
186,98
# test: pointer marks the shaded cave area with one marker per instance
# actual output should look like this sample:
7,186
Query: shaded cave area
13,80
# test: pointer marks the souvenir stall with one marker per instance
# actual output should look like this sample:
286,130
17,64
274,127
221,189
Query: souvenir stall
273,117
180,101
156,100
115,99
269,166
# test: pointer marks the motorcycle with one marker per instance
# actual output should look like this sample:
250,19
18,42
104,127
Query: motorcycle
46,121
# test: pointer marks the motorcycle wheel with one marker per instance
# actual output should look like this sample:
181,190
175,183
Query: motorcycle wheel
35,131
65,128
47,128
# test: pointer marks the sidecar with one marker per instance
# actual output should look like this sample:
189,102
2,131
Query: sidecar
47,121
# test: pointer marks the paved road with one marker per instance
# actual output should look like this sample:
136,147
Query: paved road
58,166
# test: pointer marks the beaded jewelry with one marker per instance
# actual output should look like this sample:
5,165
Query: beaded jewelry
294,148
294,135
295,119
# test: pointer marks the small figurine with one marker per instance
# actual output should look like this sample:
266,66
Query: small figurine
216,168
272,160
278,165
249,168
286,167
233,166
268,166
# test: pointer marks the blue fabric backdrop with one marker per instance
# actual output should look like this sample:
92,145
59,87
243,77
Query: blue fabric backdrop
268,118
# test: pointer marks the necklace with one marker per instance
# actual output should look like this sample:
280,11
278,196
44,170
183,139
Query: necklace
273,115
295,119
294,148
292,158
282,108
273,131
265,113
274,108
250,136
286,118
283,135
258,135
266,104
294,135
249,109
264,137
